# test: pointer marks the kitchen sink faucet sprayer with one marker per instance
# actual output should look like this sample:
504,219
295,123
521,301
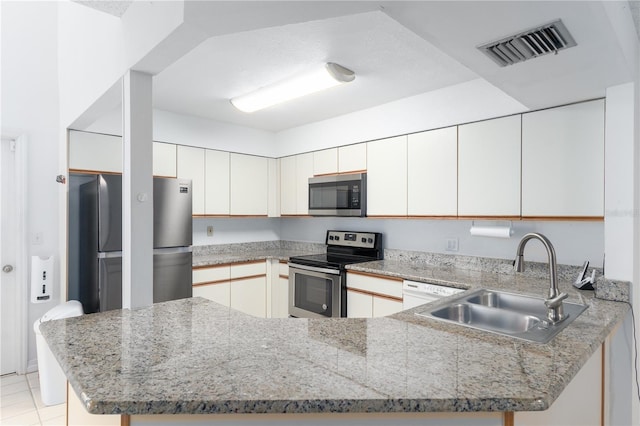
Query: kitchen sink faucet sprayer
555,312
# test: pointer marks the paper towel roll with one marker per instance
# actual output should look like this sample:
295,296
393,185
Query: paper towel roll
492,231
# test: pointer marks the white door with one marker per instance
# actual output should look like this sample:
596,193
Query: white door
8,250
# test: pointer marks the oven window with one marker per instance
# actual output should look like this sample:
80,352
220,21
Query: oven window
313,294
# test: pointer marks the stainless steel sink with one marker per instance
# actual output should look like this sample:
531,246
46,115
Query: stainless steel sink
522,317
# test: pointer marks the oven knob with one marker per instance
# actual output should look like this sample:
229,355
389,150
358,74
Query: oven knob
370,240
331,237
364,240
337,237
324,307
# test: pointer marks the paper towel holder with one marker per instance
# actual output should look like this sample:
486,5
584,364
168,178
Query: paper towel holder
504,230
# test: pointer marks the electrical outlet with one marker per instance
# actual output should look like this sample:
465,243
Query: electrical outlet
209,231
37,238
452,244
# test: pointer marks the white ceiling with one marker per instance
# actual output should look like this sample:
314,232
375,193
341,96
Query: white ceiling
397,49
390,63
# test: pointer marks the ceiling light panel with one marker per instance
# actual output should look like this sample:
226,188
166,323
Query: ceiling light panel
327,76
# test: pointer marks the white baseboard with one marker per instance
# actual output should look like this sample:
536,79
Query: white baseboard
32,365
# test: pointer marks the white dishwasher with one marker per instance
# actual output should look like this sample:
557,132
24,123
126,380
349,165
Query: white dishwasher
415,293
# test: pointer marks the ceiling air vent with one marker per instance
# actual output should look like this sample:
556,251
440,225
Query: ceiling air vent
529,44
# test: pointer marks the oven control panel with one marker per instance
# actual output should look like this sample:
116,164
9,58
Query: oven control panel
352,239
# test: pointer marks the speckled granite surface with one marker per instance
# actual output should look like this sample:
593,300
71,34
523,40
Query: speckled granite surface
246,252
421,266
195,356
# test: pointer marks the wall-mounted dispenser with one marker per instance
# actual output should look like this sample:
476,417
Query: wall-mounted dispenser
41,279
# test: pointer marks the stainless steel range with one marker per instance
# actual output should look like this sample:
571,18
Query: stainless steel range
317,282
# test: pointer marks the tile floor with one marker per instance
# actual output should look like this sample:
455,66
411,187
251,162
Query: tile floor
20,403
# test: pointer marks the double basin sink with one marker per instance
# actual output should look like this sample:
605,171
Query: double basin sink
508,314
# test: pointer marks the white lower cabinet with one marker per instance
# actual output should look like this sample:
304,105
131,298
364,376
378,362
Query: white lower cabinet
212,283
370,296
359,305
280,291
241,286
249,288
579,404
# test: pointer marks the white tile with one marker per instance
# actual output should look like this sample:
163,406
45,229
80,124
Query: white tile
34,380
37,398
52,411
13,388
15,398
29,418
11,379
17,409
58,421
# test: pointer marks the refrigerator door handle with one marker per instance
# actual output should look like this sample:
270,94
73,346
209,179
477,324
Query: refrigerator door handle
172,250
109,254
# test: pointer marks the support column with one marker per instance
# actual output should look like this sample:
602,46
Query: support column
137,191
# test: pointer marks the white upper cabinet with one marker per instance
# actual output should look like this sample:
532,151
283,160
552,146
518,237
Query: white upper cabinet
217,182
433,173
563,161
164,159
325,162
387,177
288,185
489,157
191,165
295,172
304,170
249,185
95,152
352,158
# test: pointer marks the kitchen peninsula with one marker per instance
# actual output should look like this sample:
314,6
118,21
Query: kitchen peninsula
193,356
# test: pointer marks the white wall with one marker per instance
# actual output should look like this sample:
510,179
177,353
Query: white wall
463,103
30,106
195,131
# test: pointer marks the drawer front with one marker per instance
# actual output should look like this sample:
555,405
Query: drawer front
248,269
375,285
212,274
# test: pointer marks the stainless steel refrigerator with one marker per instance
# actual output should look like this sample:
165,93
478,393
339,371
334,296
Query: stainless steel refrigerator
99,242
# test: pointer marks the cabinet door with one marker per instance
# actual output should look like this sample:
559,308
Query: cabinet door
280,292
489,168
359,305
325,162
383,306
218,292
288,185
249,185
191,166
304,170
164,159
217,182
95,152
433,173
250,296
387,177
563,161
352,158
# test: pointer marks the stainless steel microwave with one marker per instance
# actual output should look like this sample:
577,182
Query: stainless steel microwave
338,195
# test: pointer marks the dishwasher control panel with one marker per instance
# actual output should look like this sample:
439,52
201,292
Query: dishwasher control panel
429,289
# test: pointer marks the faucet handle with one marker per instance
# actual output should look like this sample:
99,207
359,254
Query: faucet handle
555,301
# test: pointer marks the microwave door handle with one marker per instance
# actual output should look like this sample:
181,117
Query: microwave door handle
314,269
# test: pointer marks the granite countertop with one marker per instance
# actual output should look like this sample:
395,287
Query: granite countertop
248,256
195,356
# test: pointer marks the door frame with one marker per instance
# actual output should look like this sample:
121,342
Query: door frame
20,232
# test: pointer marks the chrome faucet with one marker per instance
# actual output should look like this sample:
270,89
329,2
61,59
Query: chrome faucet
555,312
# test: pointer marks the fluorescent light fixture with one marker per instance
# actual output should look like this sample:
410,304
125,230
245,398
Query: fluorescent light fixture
328,75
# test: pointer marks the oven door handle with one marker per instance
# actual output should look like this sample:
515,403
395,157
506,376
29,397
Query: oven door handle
314,269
